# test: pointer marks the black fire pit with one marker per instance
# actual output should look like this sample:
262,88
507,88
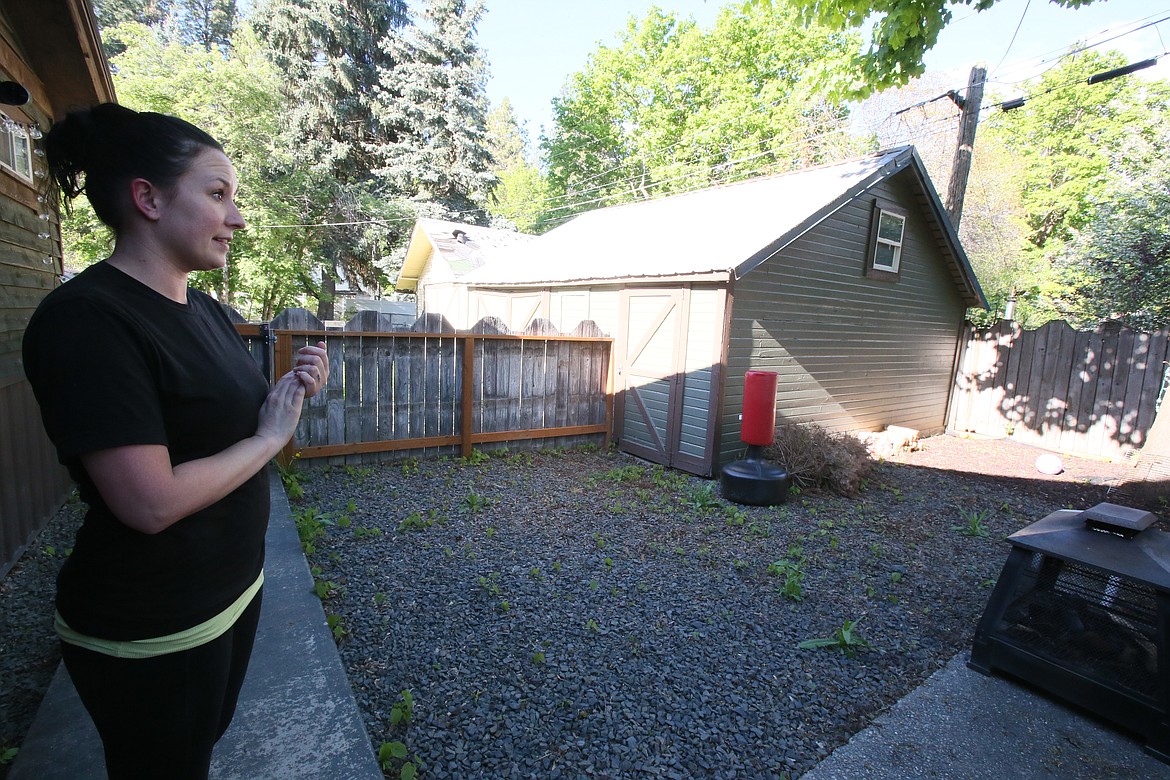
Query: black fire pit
1082,611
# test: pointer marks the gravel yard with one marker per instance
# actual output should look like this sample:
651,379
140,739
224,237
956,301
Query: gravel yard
582,613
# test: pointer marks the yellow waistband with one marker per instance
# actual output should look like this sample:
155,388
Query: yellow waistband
172,643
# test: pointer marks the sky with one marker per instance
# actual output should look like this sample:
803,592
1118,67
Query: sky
534,45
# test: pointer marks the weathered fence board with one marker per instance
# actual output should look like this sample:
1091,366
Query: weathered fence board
390,391
1087,393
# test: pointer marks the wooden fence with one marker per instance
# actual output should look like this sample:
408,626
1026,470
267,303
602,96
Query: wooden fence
1088,393
391,391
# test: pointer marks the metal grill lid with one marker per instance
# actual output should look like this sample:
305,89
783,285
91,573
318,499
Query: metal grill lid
1115,519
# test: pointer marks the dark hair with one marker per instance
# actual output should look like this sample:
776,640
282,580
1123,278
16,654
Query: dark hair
101,149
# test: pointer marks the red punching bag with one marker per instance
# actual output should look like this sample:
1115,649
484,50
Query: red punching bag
759,408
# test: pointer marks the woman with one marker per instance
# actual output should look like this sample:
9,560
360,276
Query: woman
166,424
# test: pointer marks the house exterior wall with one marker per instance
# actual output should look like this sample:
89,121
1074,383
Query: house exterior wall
32,483
852,353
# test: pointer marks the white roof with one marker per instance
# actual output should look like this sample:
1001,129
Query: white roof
715,230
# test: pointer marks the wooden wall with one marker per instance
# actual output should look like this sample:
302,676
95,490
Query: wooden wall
32,484
1079,392
852,353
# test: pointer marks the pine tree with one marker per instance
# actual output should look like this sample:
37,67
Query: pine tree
331,53
437,96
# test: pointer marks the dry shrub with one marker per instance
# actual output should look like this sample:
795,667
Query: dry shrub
817,459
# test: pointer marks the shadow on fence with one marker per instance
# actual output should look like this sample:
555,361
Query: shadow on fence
1091,393
395,391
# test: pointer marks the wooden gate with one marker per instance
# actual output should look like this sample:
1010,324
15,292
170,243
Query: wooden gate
651,346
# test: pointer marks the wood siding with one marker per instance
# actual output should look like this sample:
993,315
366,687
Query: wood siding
32,484
852,353
1088,393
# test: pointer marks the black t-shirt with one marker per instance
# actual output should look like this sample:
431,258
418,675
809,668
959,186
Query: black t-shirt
114,363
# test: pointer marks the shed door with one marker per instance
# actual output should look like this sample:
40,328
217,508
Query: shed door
650,350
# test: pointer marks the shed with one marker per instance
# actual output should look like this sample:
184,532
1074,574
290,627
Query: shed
51,49
848,280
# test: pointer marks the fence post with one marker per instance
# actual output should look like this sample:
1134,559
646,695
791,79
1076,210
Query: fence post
468,398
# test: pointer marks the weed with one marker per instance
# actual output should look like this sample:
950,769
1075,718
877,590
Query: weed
361,532
763,529
49,550
491,532
474,502
791,569
592,625
491,583
623,474
844,639
895,577
739,564
972,523
476,458
505,606
538,657
733,515
403,709
556,566
600,540
336,627
391,752
415,521
409,467
535,574
700,498
379,598
290,477
358,472
310,523
7,754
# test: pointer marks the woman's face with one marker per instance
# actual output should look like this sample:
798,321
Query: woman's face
199,214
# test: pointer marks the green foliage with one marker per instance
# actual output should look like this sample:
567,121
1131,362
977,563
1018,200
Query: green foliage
1088,164
7,755
818,459
673,108
473,502
310,523
791,571
845,639
700,498
403,709
434,95
973,522
475,458
418,521
336,627
902,32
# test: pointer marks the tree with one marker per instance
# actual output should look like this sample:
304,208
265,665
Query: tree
1119,265
207,23
903,31
521,190
436,97
672,108
1078,150
331,54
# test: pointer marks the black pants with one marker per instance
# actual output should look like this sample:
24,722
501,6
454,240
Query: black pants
160,717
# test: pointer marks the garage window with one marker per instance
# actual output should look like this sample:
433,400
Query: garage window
887,233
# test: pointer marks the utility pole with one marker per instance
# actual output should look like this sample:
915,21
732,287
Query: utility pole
968,122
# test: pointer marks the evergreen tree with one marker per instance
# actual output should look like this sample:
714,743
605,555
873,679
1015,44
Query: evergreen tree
331,53
437,96
207,23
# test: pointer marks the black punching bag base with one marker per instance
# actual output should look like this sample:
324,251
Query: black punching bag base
755,481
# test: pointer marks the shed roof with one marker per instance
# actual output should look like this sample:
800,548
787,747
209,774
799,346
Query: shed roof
725,230
463,247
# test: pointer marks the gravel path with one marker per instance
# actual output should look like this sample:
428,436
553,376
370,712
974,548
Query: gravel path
582,614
